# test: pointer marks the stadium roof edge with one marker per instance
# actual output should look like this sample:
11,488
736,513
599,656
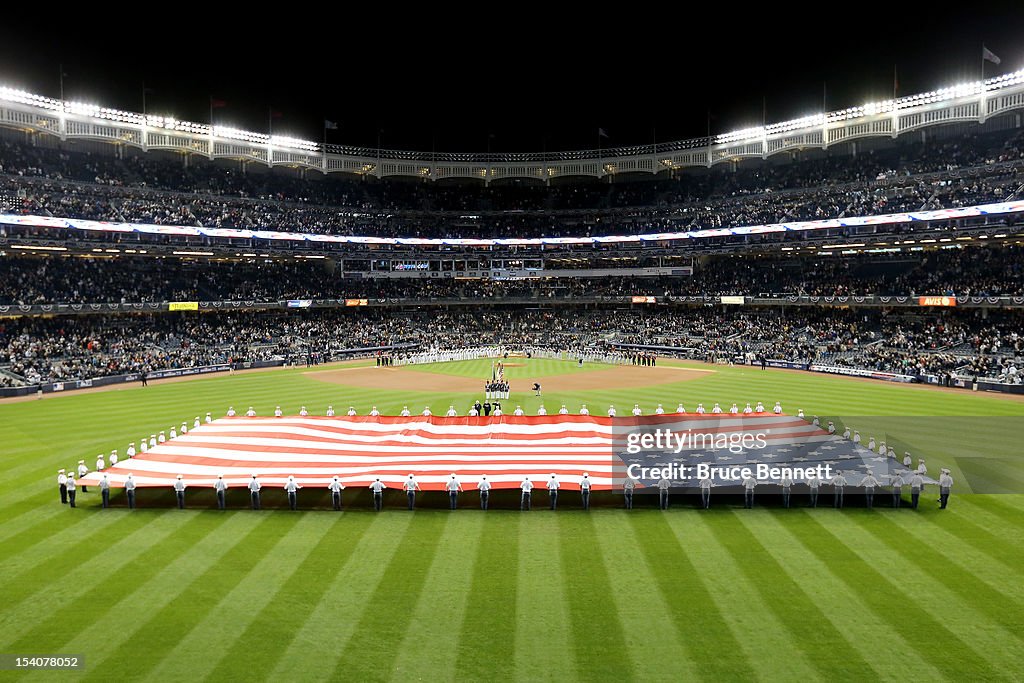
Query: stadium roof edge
973,101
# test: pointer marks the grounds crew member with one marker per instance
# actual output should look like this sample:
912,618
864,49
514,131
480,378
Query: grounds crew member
105,491
62,486
916,484
254,492
129,490
82,471
869,483
484,487
897,490
628,487
945,484
179,492
585,491
71,489
335,488
292,488
221,488
748,491
553,492
378,494
411,486
527,489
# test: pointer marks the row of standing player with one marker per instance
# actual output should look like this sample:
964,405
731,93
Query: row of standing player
454,487
477,408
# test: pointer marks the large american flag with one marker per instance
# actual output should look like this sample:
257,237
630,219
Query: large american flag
359,449
506,449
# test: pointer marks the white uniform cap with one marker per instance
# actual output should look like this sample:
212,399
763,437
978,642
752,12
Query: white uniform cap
335,477
60,470
81,462
453,475
254,475
291,478
219,476
179,476
585,475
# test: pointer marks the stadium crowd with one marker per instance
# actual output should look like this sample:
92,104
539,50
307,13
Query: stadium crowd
975,271
34,350
154,189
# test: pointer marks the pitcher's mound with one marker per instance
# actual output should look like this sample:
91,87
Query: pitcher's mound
625,377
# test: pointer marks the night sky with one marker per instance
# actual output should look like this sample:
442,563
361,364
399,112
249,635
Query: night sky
513,81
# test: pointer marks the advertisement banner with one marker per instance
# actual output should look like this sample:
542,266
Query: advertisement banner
183,306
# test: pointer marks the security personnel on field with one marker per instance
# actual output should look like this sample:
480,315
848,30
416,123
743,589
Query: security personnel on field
585,491
221,488
254,492
335,488
945,484
105,491
179,492
291,487
378,494
62,486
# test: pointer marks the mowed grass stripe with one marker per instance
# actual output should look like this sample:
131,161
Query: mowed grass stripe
901,602
642,610
486,646
388,614
543,636
274,624
797,611
1000,565
997,505
598,636
48,538
118,615
247,578
873,636
50,585
980,511
432,640
350,586
761,633
710,634
949,569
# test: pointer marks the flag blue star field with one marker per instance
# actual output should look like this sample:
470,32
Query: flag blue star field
725,448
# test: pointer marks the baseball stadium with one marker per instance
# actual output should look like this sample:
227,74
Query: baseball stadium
745,406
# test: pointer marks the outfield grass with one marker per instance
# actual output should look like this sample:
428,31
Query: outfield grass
161,594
